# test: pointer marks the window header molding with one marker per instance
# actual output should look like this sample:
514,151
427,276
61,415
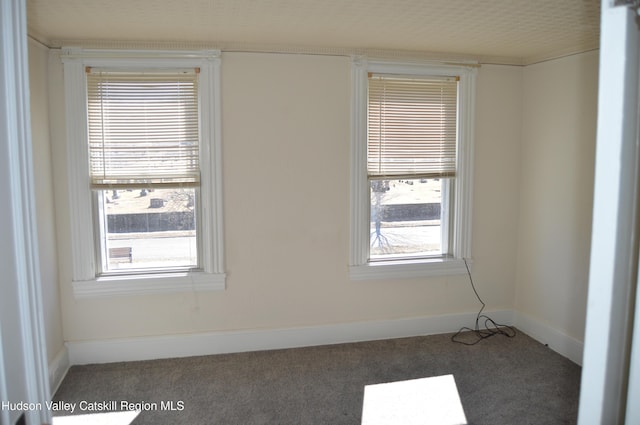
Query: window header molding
136,56
414,66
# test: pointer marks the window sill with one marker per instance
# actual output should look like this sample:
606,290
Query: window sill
160,283
408,269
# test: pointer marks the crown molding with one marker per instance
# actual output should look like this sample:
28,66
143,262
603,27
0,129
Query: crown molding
226,46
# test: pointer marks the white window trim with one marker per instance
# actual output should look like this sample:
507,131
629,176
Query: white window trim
359,266
212,276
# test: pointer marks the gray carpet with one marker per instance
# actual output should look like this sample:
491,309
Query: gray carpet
500,380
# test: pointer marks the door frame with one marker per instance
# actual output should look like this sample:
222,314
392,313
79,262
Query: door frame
613,273
21,246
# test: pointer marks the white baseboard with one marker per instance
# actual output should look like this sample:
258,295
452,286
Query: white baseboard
169,346
58,369
559,342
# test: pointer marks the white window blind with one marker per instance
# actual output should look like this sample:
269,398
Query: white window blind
411,126
143,128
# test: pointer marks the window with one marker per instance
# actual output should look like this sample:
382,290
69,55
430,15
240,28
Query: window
144,168
144,180
411,169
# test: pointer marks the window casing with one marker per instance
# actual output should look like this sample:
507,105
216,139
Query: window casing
98,168
447,164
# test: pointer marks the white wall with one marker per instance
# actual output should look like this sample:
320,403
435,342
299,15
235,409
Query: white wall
44,197
556,193
496,183
285,144
286,165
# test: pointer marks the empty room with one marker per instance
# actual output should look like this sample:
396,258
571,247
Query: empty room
313,212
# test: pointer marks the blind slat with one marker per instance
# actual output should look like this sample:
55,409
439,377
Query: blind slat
143,129
412,127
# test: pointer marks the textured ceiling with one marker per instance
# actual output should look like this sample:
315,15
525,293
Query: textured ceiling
498,31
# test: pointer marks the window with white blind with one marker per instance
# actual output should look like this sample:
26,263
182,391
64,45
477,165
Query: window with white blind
144,180
411,168
412,127
143,128
144,168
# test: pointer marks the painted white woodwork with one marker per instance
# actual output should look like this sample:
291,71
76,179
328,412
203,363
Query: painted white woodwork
85,280
23,367
615,237
198,344
359,266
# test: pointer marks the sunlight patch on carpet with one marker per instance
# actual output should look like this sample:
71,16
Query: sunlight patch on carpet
433,401
109,418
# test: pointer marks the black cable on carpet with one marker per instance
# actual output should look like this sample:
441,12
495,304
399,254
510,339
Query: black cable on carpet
491,328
